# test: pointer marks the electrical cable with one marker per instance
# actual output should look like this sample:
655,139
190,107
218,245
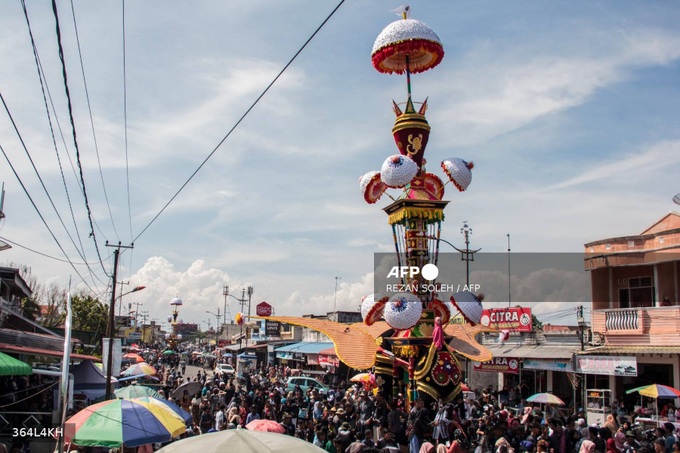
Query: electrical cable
252,106
43,83
41,216
125,123
94,134
14,243
73,130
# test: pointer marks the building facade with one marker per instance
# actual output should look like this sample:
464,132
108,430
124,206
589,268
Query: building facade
635,310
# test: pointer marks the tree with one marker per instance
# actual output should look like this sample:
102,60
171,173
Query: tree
89,314
54,306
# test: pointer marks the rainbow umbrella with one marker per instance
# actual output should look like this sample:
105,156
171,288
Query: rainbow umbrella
657,391
116,422
136,391
545,398
186,416
139,368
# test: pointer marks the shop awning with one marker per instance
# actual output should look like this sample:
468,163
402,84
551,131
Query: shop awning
9,366
532,351
630,349
40,351
328,351
306,347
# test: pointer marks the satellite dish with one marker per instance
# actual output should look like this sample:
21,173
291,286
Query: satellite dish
676,199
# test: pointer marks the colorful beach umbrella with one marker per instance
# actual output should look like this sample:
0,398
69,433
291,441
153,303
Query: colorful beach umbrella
658,391
136,391
139,368
545,398
159,401
116,422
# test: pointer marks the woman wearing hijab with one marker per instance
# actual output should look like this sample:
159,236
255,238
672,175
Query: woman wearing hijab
588,446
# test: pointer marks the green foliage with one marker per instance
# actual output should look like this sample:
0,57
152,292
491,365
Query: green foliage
535,323
89,314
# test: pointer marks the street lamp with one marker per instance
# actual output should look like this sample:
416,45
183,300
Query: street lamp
241,301
110,333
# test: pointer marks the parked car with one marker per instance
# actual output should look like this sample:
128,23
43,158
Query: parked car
224,368
305,383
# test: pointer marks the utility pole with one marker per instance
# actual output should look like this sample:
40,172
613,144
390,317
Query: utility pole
121,291
137,304
581,325
467,254
110,331
508,235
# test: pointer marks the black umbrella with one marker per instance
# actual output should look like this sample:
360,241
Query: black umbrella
191,387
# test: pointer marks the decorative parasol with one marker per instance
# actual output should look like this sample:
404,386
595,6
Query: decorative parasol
545,398
657,391
406,45
267,426
116,422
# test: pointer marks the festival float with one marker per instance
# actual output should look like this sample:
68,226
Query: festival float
406,336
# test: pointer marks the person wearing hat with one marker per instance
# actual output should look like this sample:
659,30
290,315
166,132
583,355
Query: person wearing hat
630,445
286,422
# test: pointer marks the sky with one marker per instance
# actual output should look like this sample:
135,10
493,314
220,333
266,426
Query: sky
568,109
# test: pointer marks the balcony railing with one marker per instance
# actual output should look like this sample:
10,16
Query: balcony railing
648,325
626,319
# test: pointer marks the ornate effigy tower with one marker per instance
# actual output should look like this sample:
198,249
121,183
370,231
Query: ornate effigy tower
417,342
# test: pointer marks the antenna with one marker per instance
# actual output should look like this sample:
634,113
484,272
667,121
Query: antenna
509,298
335,294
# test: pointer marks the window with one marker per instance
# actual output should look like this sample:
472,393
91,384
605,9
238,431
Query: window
640,293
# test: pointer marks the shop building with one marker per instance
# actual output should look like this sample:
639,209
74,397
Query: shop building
635,311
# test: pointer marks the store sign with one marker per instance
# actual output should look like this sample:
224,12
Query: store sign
507,365
511,318
263,309
548,365
328,360
606,365
272,328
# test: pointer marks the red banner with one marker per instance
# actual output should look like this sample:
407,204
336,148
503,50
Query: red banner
508,365
511,318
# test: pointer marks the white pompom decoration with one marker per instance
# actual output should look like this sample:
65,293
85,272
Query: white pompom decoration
397,171
458,172
469,306
403,311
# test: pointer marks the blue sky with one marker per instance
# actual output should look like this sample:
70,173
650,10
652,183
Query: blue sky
568,109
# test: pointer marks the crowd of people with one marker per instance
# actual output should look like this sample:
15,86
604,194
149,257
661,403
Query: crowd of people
350,419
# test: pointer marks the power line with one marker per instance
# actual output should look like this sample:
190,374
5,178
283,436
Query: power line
16,244
125,122
73,130
41,216
43,84
89,110
252,106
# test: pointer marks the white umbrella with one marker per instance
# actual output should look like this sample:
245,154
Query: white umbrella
242,440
